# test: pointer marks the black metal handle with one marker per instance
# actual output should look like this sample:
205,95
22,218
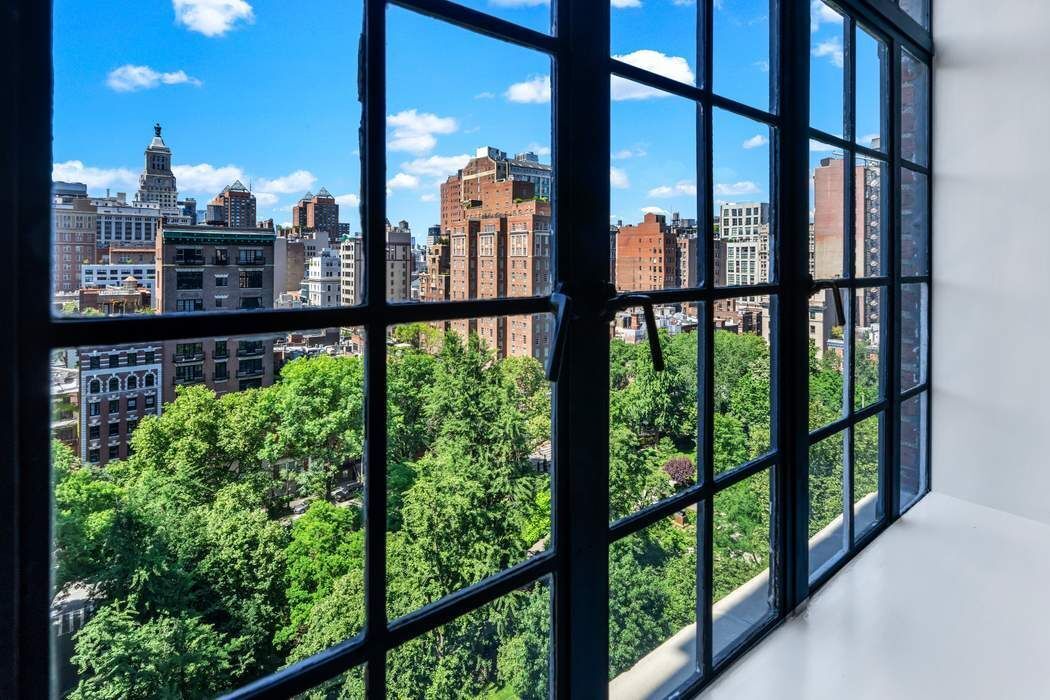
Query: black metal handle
562,304
836,288
651,331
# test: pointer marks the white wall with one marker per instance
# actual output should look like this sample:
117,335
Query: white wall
991,237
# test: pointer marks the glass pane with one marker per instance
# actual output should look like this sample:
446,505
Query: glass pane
915,223
653,226
345,686
741,198
914,421
870,223
467,160
652,608
827,69
239,222
657,37
872,98
501,650
533,14
743,328
652,415
827,204
914,334
915,109
742,51
827,366
919,10
207,499
868,346
827,502
743,559
469,453
867,482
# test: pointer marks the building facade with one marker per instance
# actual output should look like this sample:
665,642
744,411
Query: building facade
73,223
119,386
321,286
214,268
106,275
647,256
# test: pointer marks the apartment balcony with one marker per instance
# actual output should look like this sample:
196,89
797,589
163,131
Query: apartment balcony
220,261
253,372
252,351
185,381
221,354
182,358
252,260
190,260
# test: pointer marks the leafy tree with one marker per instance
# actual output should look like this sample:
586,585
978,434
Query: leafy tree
118,656
409,374
680,470
326,545
320,401
523,660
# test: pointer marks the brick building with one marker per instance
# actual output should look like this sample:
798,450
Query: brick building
73,222
318,212
646,256
235,205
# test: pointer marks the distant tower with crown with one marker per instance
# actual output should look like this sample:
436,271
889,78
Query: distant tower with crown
157,182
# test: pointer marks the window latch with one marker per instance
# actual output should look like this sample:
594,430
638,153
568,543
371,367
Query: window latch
651,331
836,287
562,304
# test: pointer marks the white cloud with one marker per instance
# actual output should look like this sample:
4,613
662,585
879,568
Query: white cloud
295,182
518,3
348,200
831,49
430,197
211,17
673,67
535,90
129,78
402,181
484,95
819,13
735,189
869,140
539,149
679,189
762,66
618,178
436,166
621,4
94,178
756,141
625,153
414,131
818,147
687,3
265,199
205,178
654,210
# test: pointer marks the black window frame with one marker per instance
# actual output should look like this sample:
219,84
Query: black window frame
581,104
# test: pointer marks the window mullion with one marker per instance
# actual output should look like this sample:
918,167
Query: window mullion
891,457
373,221
791,393
581,96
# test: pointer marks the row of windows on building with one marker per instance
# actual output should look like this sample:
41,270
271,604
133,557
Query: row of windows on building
128,359
195,256
149,401
194,279
130,383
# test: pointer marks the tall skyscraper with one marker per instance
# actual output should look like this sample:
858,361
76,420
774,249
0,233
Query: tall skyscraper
157,181
236,205
317,212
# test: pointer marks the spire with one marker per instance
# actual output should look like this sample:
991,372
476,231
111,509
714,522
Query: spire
156,129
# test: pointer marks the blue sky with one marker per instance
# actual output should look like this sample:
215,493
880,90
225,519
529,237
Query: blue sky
264,91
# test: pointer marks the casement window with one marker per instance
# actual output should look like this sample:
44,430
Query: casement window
715,445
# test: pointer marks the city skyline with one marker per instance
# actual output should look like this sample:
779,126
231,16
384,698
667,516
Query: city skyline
433,126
